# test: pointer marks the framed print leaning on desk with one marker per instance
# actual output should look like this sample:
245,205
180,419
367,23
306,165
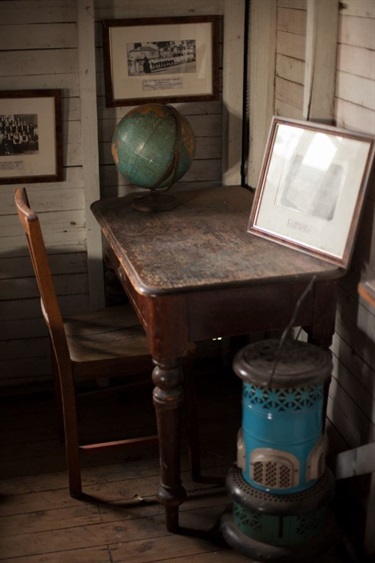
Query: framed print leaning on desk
311,188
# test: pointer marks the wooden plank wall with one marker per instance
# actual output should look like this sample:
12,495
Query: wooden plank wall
276,71
290,58
351,406
39,48
205,117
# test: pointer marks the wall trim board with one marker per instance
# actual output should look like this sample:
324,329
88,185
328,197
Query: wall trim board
320,60
90,143
233,75
262,64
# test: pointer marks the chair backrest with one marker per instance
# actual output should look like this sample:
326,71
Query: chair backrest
50,306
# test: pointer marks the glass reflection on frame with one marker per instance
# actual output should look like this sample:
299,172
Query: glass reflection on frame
311,188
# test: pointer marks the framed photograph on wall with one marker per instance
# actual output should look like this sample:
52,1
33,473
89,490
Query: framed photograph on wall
161,60
30,136
311,188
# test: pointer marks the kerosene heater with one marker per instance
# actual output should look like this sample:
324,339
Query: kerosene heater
280,487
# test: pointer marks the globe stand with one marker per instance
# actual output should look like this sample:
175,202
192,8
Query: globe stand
155,202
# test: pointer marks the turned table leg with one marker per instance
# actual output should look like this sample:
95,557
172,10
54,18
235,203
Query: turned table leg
168,399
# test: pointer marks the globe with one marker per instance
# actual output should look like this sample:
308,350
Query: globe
153,146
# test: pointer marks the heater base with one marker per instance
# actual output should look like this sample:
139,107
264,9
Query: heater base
306,552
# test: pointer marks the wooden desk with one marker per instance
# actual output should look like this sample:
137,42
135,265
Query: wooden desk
194,273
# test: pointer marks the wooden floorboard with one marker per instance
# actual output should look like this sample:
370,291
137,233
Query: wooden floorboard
120,520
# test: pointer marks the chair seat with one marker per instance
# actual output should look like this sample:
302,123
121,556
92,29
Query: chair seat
99,340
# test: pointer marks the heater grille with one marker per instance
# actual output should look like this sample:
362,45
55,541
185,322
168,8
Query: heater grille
271,474
247,520
282,400
277,529
274,469
309,524
301,503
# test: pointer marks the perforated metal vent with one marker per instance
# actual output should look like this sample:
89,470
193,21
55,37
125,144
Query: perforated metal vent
293,503
278,530
282,400
273,468
248,521
309,524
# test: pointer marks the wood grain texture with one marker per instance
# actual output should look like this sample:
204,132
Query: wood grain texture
53,48
124,523
203,242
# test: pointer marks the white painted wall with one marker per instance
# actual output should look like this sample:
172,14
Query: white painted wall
38,50
325,54
351,406
354,345
57,44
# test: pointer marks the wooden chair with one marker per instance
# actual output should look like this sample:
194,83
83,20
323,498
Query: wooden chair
109,343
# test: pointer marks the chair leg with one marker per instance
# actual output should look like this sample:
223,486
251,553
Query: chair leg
64,391
69,411
72,446
57,395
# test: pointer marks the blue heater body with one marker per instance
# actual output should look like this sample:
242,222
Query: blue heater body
280,486
280,445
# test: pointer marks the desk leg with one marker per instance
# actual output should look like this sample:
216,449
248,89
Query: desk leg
168,399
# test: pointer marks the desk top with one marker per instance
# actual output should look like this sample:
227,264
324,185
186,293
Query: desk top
201,244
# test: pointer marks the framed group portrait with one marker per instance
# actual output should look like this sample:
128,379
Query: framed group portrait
30,136
161,60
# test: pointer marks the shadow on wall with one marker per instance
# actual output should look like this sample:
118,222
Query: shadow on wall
352,389
24,342
354,342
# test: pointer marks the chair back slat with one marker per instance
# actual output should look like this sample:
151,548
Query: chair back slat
38,254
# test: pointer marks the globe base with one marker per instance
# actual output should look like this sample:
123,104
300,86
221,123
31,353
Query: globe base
155,202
